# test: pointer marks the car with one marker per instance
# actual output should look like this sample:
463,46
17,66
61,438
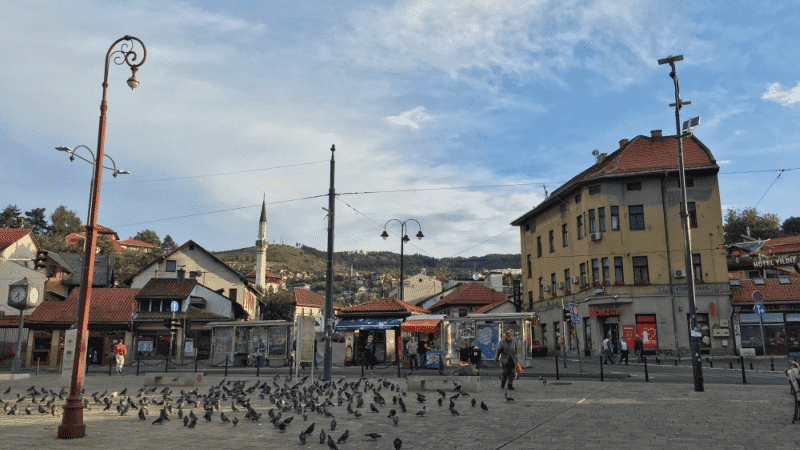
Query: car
337,337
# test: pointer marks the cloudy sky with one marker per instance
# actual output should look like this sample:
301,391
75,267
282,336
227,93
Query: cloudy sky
451,113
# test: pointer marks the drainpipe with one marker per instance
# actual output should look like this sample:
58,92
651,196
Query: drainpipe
669,261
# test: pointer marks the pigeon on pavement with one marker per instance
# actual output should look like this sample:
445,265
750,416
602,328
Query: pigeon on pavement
343,437
142,416
508,399
397,444
373,435
421,412
484,407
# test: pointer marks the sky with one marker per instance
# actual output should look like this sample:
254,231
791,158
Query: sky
453,114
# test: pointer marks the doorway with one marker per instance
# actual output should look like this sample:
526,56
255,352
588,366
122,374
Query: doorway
611,331
94,351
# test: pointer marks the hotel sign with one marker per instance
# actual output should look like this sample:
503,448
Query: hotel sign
776,262
605,312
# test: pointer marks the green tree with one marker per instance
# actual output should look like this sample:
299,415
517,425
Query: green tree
791,226
761,227
130,262
65,222
57,244
103,243
9,217
37,221
168,244
278,305
148,236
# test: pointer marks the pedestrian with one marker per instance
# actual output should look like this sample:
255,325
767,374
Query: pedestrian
638,346
120,352
315,353
623,350
412,353
508,360
260,352
422,350
608,349
370,353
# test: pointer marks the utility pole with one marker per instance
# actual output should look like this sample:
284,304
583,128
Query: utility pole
329,277
694,335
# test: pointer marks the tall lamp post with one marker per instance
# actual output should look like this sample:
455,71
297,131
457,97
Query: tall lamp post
72,425
403,239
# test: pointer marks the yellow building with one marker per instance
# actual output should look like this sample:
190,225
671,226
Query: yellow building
610,240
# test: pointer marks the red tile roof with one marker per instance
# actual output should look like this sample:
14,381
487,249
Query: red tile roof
74,239
103,230
267,273
55,287
9,236
489,307
10,321
107,305
390,304
470,294
779,246
167,287
304,297
771,291
442,279
136,243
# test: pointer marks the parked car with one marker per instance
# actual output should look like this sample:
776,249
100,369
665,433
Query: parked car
337,337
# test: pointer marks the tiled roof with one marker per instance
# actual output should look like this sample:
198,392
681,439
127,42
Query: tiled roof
778,246
103,230
442,279
489,307
304,297
74,239
55,287
771,291
167,288
267,273
390,304
10,321
136,243
470,294
107,305
9,236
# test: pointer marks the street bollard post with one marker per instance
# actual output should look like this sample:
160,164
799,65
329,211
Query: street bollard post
226,366
772,364
601,369
166,363
110,363
138,362
196,357
744,379
557,366
646,373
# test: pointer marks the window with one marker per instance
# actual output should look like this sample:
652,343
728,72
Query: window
541,287
619,277
692,214
538,246
566,279
689,182
594,189
595,271
696,267
592,225
601,212
637,186
527,227
530,298
580,227
615,218
636,214
578,198
232,294
564,236
530,267
553,284
171,266
583,273
640,274
606,271
563,207
552,241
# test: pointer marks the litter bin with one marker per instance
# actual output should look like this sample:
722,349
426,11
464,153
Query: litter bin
464,354
475,356
433,359
240,359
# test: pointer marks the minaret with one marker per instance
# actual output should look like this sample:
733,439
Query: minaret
261,248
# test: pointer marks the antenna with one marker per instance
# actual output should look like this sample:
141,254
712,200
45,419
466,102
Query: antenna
545,191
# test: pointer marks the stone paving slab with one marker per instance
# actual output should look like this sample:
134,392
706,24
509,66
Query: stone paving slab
570,414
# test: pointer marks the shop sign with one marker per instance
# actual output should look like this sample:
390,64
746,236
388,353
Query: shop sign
605,312
776,262
698,289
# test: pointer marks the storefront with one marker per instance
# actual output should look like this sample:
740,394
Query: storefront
485,332
384,334
238,341
428,326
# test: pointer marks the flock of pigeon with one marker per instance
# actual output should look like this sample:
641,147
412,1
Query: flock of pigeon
286,402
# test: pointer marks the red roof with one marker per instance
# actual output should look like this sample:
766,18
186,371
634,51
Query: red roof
267,274
107,305
643,154
74,238
489,307
779,246
470,294
390,304
10,321
771,291
136,243
55,287
304,297
442,279
167,287
103,230
9,236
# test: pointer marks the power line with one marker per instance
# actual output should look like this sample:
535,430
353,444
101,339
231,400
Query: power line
220,174
377,223
479,244
770,187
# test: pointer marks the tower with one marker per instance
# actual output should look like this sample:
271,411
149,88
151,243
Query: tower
261,248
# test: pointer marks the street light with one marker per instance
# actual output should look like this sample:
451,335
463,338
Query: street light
72,425
403,240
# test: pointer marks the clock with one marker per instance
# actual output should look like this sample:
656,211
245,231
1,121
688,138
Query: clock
16,295
33,295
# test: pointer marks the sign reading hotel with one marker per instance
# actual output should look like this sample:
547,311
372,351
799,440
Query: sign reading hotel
776,262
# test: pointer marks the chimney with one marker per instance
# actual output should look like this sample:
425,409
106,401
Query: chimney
655,135
181,276
622,142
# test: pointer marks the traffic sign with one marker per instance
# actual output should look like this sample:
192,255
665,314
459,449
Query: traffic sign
759,309
757,297
173,306
573,311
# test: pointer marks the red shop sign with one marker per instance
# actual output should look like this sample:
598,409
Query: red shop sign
605,312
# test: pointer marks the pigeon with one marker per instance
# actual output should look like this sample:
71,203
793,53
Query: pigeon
397,443
185,420
42,410
421,412
392,413
373,435
303,438
7,390
193,423
454,412
333,424
402,404
396,420
124,391
421,398
508,399
474,402
357,414
158,421
343,437
142,416
223,417
28,410
332,445
192,415
322,437
305,415
439,401
235,421
207,415
373,408
350,408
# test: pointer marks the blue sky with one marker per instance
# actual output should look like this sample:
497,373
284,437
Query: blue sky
432,103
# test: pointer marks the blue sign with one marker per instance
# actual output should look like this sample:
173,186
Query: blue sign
173,306
759,309
573,312
757,297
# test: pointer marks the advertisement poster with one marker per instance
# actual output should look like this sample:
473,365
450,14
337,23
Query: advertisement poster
629,335
488,340
277,342
646,328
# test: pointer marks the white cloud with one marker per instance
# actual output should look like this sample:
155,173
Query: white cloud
418,114
727,161
785,97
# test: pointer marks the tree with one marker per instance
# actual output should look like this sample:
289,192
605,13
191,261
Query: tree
37,221
9,217
277,305
65,222
168,244
103,244
761,227
148,236
791,226
130,262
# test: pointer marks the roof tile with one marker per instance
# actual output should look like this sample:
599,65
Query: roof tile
167,287
107,305
470,294
772,290
9,236
390,304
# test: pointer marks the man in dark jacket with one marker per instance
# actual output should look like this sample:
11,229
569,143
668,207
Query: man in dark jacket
508,360
638,346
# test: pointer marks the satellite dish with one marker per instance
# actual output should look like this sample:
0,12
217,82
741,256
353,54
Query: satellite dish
595,152
476,277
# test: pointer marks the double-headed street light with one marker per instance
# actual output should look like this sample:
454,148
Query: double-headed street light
72,425
403,240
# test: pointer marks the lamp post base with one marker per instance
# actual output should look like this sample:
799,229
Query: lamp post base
72,426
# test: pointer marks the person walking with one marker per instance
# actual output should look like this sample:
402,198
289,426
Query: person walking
508,360
422,350
260,352
370,353
412,354
623,350
607,349
120,352
315,353
638,346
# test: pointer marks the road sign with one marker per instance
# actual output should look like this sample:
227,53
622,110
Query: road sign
573,311
759,309
173,306
757,297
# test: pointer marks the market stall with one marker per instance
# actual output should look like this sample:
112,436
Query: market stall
478,335
239,341
356,332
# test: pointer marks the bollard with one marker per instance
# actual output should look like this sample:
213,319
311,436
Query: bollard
730,363
226,366
658,361
196,357
362,367
676,362
109,368
710,363
772,364
37,367
138,362
646,373
751,366
557,377
744,379
601,369
166,363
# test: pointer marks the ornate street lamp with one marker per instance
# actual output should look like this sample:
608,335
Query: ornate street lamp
403,240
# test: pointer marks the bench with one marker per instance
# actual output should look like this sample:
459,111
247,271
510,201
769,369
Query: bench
173,380
793,374
443,382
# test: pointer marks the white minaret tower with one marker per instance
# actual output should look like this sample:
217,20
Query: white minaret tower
261,247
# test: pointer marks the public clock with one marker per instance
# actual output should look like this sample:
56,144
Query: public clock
33,295
17,295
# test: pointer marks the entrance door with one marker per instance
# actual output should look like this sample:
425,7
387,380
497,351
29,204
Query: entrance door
94,351
611,331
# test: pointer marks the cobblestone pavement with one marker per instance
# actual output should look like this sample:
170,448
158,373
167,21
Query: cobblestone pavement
559,414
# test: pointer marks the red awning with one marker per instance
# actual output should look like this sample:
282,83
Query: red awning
420,326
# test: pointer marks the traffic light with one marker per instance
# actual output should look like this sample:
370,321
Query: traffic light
188,326
174,324
41,260
567,316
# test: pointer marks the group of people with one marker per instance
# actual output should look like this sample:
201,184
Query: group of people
418,351
608,349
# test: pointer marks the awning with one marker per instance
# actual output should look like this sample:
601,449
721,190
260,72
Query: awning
420,326
368,324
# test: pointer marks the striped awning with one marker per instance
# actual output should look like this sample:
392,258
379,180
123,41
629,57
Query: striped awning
420,326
